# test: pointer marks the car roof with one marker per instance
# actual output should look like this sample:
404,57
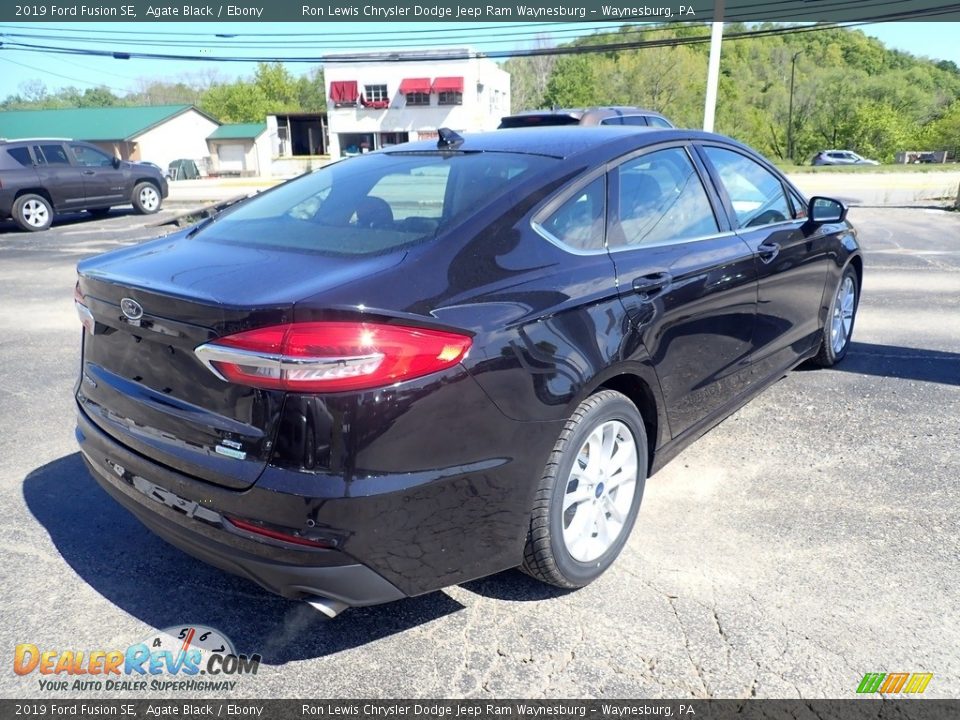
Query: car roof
5,141
561,141
580,112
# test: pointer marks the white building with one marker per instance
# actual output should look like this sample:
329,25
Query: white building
240,149
379,99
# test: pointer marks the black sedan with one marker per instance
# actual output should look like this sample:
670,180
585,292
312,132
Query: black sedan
428,364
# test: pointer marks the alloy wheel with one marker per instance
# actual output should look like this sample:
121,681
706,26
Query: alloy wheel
599,491
842,322
149,198
35,213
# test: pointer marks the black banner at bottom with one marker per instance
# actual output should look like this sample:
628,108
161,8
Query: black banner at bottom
853,709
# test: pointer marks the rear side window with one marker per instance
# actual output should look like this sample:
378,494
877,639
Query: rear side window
374,203
756,193
634,120
661,200
578,222
21,155
51,154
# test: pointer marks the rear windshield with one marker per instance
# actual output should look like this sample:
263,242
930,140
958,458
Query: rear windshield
518,121
374,203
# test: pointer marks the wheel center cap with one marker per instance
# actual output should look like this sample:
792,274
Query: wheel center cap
599,490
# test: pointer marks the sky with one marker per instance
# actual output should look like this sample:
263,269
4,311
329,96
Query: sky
937,40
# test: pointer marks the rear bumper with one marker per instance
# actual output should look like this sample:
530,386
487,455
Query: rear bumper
201,530
390,534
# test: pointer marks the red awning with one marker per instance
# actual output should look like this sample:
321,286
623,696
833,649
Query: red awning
344,92
447,84
415,85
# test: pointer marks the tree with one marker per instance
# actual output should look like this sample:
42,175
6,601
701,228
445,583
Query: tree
573,82
312,91
236,102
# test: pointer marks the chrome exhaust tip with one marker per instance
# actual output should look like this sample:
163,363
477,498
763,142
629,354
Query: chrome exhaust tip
330,608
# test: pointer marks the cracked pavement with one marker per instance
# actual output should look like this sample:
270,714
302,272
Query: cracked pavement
809,539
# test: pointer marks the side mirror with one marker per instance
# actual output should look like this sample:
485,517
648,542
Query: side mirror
116,162
826,210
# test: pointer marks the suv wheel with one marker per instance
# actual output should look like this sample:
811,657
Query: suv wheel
146,198
589,494
32,213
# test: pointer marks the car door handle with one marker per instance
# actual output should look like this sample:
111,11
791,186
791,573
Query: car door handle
89,172
650,285
768,251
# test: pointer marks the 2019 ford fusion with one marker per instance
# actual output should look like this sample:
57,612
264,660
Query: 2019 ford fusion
435,362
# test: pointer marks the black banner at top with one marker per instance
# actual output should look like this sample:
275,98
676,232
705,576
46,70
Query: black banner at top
470,11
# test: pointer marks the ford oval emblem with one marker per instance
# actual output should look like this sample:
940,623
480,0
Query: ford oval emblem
131,309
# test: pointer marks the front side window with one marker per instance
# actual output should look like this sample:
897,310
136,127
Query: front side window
373,203
450,98
756,193
634,120
578,222
90,157
661,200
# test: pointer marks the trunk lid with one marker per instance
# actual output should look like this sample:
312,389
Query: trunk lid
141,381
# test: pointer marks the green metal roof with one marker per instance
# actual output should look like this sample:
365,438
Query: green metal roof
238,131
113,123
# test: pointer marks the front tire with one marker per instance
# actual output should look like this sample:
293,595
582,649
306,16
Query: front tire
840,319
590,493
32,213
146,198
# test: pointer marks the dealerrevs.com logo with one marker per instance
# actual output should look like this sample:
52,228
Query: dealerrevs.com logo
188,658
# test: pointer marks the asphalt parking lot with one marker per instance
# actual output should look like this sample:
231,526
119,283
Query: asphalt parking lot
809,539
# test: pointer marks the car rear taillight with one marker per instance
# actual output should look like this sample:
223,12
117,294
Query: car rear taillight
86,317
331,356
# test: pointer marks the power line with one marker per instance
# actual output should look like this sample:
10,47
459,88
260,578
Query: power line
150,41
63,77
459,54
471,29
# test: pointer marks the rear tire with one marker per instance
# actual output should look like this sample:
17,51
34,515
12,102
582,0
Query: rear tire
32,213
838,328
590,493
146,198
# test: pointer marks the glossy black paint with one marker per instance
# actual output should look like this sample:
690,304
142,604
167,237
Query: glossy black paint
430,482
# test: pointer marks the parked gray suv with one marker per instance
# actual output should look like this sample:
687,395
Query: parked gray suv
42,177
609,115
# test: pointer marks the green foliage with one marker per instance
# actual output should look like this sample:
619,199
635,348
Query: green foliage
573,82
849,91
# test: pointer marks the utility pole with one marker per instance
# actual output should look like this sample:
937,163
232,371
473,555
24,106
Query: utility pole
713,67
793,72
